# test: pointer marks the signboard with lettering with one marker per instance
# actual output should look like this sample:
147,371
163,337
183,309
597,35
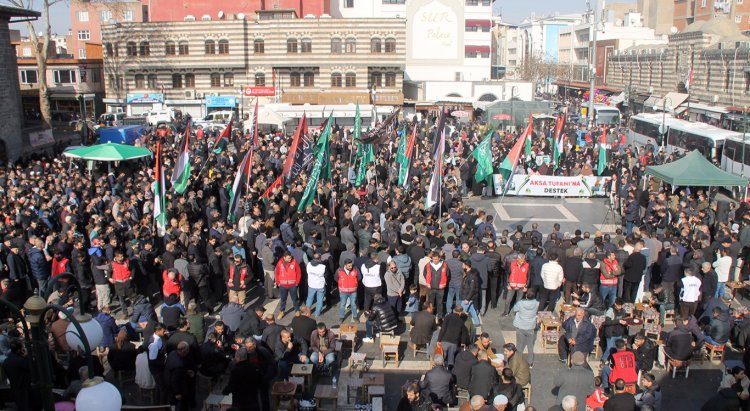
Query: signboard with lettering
41,138
144,98
550,186
221,101
260,91
437,26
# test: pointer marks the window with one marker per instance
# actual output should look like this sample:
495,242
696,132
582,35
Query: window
738,19
390,79
309,79
223,46
96,76
132,49
84,35
390,45
28,77
294,79
335,80
183,48
206,17
169,48
82,53
703,3
215,80
478,2
189,17
351,45
336,46
176,81
189,80
259,46
105,16
64,76
145,48
394,1
83,16
210,47
376,79
348,4
127,15
306,46
376,46
108,49
228,79
27,51
739,2
351,80
291,45
152,80
260,79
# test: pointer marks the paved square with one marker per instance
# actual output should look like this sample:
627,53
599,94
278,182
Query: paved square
537,212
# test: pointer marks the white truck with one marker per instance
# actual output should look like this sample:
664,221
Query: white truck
161,116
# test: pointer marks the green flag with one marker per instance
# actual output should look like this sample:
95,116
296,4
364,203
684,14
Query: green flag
322,148
367,157
602,155
483,154
403,170
357,124
527,147
401,153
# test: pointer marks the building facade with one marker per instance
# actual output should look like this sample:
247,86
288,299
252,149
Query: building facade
87,18
201,66
505,50
710,60
657,15
688,11
222,10
540,35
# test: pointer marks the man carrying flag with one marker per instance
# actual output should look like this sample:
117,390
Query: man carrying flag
405,165
436,181
322,150
602,154
181,173
160,205
508,166
221,142
240,184
558,142
483,155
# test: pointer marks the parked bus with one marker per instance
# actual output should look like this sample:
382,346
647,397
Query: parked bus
734,154
606,115
688,136
643,129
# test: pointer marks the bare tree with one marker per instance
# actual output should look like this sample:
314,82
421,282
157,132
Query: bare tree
41,50
539,70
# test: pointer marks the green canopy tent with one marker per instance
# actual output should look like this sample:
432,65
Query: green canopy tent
694,170
108,152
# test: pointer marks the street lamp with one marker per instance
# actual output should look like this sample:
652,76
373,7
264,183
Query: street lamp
98,395
80,333
663,127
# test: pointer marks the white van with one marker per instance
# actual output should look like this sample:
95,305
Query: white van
162,116
215,117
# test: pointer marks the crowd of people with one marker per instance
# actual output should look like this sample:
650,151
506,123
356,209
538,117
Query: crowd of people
372,254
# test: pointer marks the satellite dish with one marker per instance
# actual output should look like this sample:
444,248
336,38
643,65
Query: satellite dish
221,14
241,16
673,30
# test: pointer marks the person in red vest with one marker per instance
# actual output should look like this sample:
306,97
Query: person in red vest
436,276
121,277
348,282
288,275
238,279
172,285
199,133
518,281
622,365
60,264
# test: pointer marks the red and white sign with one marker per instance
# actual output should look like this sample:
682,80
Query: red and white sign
501,117
260,91
459,113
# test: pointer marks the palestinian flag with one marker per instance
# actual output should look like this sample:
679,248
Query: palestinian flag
405,166
160,208
602,154
558,141
322,151
436,181
508,166
255,124
266,194
181,173
223,140
240,183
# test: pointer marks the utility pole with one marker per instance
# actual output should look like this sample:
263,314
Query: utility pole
594,27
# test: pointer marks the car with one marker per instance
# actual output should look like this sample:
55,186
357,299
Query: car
215,117
164,115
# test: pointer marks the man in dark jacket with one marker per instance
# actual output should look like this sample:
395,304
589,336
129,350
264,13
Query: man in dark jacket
423,325
719,328
244,382
198,273
572,271
709,283
252,323
462,366
634,267
494,264
381,317
438,383
645,350
621,400
453,333
322,346
579,335
679,345
470,289
178,377
483,376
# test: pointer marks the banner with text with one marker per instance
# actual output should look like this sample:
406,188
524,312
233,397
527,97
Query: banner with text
554,186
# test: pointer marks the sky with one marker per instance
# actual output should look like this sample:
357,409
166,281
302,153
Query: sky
513,11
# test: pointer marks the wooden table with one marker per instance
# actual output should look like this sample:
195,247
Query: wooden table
567,311
304,371
327,393
372,378
549,324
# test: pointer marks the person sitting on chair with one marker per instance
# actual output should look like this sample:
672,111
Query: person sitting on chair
622,365
579,336
381,318
323,347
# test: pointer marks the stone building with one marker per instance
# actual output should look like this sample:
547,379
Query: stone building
11,113
706,68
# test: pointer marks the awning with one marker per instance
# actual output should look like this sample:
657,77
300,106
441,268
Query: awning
478,23
477,49
617,98
714,112
640,98
680,110
651,101
672,99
